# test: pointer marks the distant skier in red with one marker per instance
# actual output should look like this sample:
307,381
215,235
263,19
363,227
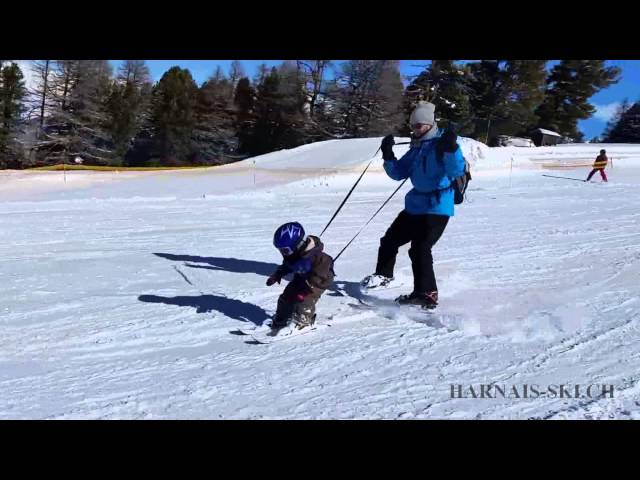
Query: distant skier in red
599,166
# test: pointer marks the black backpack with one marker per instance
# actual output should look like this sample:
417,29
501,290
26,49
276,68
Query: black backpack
461,183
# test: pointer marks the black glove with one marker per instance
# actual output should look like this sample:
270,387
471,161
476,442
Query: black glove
448,142
387,147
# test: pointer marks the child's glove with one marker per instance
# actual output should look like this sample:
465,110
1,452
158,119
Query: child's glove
273,279
302,266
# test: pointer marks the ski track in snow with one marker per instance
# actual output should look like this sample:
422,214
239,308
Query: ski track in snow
120,295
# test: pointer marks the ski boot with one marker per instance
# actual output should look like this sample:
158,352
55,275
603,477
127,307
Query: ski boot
374,281
304,321
428,300
278,323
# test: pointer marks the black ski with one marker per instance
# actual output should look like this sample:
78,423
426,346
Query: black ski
566,178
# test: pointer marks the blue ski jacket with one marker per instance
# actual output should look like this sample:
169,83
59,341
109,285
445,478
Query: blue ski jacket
431,177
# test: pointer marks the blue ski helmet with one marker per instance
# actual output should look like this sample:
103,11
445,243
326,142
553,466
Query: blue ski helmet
289,238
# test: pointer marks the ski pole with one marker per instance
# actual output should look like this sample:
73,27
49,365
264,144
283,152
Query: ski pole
350,192
354,186
369,221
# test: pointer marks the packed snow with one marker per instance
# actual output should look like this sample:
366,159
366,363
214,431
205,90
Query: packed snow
122,291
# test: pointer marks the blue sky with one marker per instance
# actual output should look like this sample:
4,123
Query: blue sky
605,101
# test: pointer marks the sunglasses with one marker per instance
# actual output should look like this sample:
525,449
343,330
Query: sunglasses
286,251
420,125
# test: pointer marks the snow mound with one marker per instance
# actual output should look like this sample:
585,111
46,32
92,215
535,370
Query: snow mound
347,155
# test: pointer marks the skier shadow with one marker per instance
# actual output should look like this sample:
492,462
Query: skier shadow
235,309
235,265
342,288
339,288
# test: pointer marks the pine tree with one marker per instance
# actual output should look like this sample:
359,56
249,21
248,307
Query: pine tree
128,106
488,95
174,116
505,96
569,87
615,118
244,97
262,135
214,133
627,129
444,84
243,102
278,118
12,94
525,85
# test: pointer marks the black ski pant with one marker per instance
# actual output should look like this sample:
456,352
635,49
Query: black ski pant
423,231
290,307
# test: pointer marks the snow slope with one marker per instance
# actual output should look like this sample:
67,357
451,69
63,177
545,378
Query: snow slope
121,291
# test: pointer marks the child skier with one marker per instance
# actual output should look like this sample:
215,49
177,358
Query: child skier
599,166
313,274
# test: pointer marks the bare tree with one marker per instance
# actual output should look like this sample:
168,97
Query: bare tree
263,71
386,112
236,72
65,77
135,72
40,93
364,99
76,124
313,71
